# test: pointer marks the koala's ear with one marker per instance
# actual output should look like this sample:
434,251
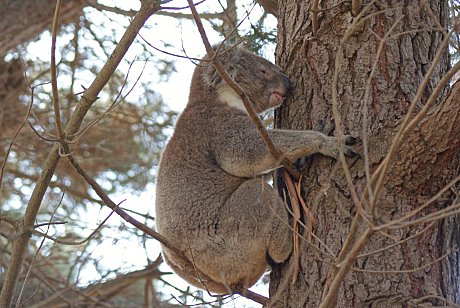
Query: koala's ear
229,60
211,75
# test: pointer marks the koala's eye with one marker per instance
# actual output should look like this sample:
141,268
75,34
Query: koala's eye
263,71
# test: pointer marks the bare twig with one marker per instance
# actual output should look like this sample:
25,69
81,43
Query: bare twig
252,296
18,302
9,219
100,192
51,223
115,103
361,213
417,210
296,219
57,113
314,16
372,208
406,271
351,248
331,294
181,7
397,243
75,243
167,52
440,214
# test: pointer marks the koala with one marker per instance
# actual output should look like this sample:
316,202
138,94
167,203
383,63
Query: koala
211,200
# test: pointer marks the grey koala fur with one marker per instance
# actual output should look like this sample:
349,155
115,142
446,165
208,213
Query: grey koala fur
211,201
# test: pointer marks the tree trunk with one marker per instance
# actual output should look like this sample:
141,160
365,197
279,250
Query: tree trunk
381,51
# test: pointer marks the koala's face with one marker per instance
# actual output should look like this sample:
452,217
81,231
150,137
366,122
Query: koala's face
264,83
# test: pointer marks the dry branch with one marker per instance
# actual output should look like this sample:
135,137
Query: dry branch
53,72
100,192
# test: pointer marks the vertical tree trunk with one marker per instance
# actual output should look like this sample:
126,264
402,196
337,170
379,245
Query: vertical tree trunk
377,100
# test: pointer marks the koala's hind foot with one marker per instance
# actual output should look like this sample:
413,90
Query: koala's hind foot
265,217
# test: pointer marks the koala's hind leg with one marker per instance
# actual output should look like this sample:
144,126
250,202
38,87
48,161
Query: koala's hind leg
252,224
256,213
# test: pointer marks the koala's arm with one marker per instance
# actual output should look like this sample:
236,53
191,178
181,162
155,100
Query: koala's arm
244,154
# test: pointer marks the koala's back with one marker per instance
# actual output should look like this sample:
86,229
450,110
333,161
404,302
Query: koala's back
191,188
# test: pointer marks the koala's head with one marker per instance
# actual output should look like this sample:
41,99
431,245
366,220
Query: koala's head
264,83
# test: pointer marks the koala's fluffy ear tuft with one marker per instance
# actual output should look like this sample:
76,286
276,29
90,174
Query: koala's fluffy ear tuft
228,58
211,75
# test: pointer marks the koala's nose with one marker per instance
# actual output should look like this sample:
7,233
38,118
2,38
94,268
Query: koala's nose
287,84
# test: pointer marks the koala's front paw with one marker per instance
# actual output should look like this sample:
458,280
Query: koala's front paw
350,140
349,151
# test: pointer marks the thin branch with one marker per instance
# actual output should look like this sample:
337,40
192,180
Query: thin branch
112,9
54,223
9,219
361,213
314,16
330,297
252,296
405,271
54,88
182,7
115,104
383,40
166,52
100,192
395,244
420,208
351,248
40,136
76,243
18,302
445,212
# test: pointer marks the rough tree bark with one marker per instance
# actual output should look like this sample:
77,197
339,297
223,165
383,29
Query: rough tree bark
427,160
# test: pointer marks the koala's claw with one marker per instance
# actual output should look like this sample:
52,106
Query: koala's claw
350,140
351,153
